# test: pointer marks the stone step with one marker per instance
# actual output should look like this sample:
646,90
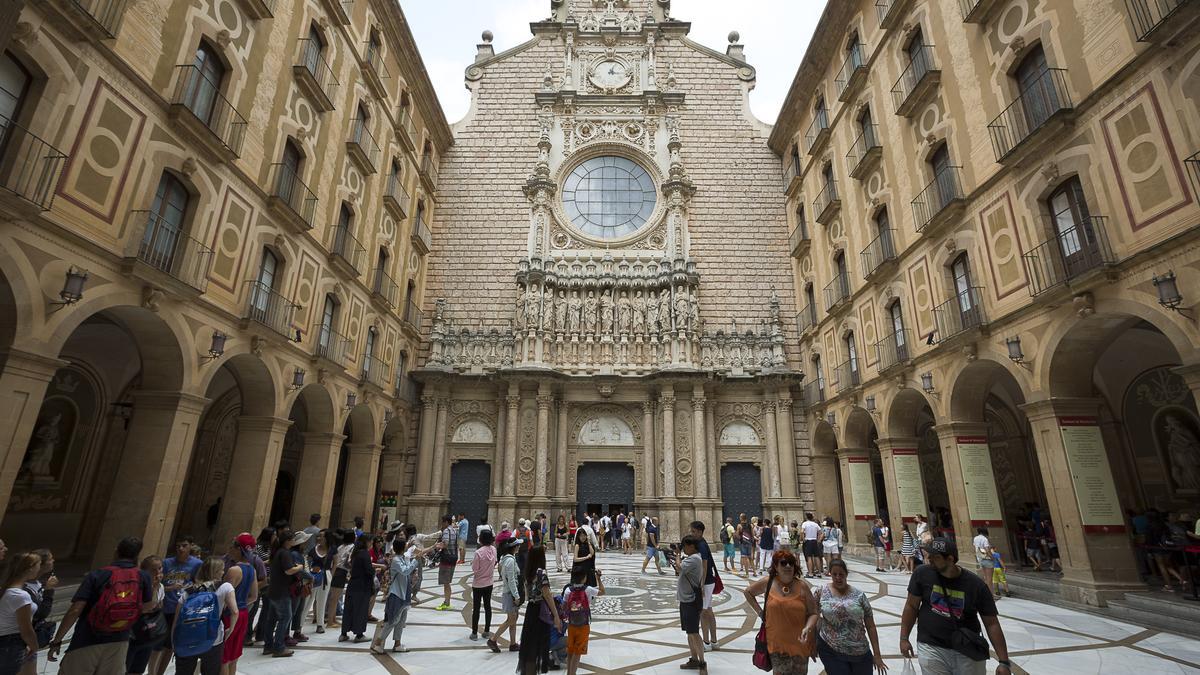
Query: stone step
1170,605
1176,616
1035,585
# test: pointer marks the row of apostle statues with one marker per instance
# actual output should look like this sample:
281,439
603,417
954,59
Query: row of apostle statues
608,312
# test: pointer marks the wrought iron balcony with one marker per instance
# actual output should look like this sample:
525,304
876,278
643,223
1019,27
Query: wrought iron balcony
385,289
1031,114
200,109
878,253
314,76
81,19
429,173
962,313
917,83
422,238
853,72
346,252
331,346
814,393
837,293
373,66
395,197
29,167
800,240
978,11
292,199
847,375
806,319
894,350
339,10
258,9
827,204
267,308
361,147
376,373
889,12
818,132
406,128
412,316
791,176
166,249
865,152
940,202
1193,169
1069,255
1151,17
406,390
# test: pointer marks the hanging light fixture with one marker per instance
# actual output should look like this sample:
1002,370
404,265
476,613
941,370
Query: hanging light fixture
217,346
1014,349
72,291
297,379
869,402
832,419
927,382
1168,290
351,400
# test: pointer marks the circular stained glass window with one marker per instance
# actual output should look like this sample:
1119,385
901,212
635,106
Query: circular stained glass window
609,197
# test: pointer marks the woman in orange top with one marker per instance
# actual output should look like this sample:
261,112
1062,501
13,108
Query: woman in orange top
791,617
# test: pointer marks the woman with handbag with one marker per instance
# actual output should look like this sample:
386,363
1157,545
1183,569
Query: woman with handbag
150,630
789,617
18,642
846,624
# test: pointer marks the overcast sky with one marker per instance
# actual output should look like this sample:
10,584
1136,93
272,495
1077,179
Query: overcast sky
775,32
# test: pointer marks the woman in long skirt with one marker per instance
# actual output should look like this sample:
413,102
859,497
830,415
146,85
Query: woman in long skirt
359,590
534,656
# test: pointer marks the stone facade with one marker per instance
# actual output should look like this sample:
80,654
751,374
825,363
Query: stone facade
997,199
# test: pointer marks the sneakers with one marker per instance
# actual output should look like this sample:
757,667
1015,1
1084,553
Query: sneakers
474,636
281,654
320,629
493,646
443,607
708,646
377,648
399,649
692,664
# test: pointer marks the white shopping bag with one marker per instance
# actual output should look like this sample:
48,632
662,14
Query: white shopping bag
908,668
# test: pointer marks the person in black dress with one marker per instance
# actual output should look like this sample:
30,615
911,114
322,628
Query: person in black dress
359,590
585,556
534,653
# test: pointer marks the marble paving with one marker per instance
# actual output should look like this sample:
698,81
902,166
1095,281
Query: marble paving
635,630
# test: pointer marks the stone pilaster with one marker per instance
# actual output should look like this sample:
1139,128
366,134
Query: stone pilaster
649,464
560,451
699,445
787,451
858,516
246,505
425,444
513,400
542,456
23,384
318,476
440,459
889,448
772,477
950,435
667,402
358,490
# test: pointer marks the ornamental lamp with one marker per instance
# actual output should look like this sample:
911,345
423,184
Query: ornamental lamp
1168,290
72,291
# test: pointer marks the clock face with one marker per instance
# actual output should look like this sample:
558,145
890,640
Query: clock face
610,74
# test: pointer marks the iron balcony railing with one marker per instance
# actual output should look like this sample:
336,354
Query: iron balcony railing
818,131
412,315
29,166
104,15
347,247
373,58
429,170
395,195
865,149
827,203
837,292
1069,254
960,314
259,9
790,173
847,375
362,144
806,318
268,308
323,81
853,71
1193,169
406,389
170,250
894,350
943,191
202,98
385,288
881,250
888,11
376,372
331,345
914,79
799,239
406,127
1150,15
422,238
814,393
292,192
977,11
1032,110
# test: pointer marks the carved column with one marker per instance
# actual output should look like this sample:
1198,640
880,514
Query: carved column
700,466
425,444
787,447
542,459
560,460
772,449
498,461
667,402
439,448
714,464
649,489
510,441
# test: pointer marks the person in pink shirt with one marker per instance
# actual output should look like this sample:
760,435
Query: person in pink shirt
483,573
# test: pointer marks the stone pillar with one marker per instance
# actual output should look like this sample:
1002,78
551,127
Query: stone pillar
1098,561
828,492
440,460
318,476
498,456
715,500
155,460
859,517
787,452
772,477
510,440
23,384
700,444
962,496
246,506
667,401
906,448
425,444
560,452
542,458
650,465
358,492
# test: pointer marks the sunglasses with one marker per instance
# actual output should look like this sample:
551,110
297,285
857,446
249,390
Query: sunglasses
786,563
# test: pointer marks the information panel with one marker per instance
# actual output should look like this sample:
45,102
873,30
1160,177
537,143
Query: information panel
910,489
983,503
1099,508
862,488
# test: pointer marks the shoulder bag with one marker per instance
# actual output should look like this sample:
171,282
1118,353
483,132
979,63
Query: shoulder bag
964,640
762,657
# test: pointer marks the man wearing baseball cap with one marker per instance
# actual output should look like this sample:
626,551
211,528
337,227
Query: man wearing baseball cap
947,603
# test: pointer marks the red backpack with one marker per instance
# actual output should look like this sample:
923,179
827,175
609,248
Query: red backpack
120,602
579,610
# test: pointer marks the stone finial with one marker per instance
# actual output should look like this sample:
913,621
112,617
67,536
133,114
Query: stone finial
487,37
734,36
485,50
735,50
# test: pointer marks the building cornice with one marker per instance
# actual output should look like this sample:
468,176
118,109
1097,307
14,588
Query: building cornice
395,25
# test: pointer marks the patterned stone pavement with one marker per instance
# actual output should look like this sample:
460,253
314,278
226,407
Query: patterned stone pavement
635,630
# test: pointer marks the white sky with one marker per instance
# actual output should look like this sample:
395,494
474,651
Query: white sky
775,32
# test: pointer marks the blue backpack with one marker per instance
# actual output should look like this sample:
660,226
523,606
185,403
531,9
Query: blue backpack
197,623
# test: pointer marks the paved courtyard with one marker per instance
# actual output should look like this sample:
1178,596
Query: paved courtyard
635,630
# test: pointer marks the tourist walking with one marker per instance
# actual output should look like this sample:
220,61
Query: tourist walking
179,571
100,641
789,611
689,592
201,613
727,544
584,559
652,546
242,576
626,536
403,570
534,652
320,561
847,639
341,575
812,546
766,546
562,558
908,547
359,589
510,593
447,560
708,620
483,573
464,530
262,552
983,558
302,585
577,601
41,590
947,604
151,629
745,539
279,592
877,542
830,539
18,641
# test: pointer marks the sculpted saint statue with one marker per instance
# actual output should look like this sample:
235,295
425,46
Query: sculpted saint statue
535,308
623,312
651,311
664,308
521,310
682,311
573,311
560,312
639,313
589,312
606,312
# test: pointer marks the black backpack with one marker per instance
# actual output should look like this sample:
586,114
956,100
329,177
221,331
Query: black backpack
724,535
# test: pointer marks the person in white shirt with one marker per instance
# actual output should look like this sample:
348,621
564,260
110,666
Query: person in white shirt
605,528
482,526
812,546
983,557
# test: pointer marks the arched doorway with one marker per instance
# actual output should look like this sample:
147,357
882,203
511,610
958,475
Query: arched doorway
827,474
741,488
470,486
357,470
917,466
604,487
867,485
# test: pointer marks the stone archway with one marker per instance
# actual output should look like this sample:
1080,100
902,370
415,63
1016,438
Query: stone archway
827,473
357,469
915,455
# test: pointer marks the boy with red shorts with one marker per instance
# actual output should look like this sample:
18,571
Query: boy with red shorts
577,601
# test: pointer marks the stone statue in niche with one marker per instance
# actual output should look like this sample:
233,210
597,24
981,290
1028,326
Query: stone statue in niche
606,312
52,435
1177,436
521,311
664,308
682,310
651,311
573,312
624,310
560,312
535,308
44,444
639,313
589,312
694,311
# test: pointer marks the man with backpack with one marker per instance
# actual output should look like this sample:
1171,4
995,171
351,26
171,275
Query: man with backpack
110,600
727,534
577,603
448,559
179,571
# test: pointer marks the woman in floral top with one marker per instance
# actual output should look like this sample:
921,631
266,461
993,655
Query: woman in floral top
845,626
